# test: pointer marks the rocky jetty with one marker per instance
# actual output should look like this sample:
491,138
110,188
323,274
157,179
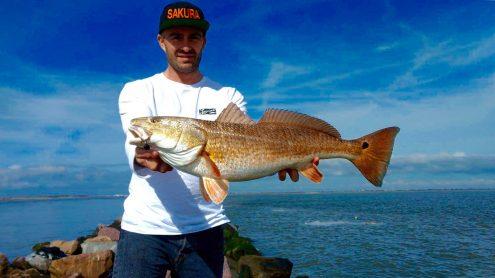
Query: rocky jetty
93,255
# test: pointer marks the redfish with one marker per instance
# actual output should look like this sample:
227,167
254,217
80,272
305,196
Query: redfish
235,148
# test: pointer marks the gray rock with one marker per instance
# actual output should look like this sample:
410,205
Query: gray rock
97,246
38,261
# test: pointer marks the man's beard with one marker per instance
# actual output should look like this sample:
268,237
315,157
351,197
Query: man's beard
184,68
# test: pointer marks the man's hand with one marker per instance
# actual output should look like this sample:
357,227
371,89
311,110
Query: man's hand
151,160
293,174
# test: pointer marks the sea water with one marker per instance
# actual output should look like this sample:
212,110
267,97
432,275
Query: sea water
387,234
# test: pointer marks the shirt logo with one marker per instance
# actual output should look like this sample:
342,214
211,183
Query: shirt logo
208,111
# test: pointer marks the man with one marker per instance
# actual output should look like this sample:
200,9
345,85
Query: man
166,223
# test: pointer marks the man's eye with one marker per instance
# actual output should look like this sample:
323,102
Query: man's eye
174,37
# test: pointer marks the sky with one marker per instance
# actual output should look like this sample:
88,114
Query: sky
425,66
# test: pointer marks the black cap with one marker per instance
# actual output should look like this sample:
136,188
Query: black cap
182,14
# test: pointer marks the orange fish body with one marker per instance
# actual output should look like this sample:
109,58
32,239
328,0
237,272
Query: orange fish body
235,148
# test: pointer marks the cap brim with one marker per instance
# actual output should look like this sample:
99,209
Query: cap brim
200,24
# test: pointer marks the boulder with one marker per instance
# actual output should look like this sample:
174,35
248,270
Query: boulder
86,265
97,246
28,273
110,232
261,267
52,253
38,261
236,247
98,243
98,239
68,247
4,264
20,263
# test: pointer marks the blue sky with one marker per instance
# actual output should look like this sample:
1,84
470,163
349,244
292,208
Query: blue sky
426,66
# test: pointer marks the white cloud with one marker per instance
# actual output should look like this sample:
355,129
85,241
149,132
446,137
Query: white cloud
77,120
386,47
64,177
458,119
421,165
279,71
441,183
447,53
478,51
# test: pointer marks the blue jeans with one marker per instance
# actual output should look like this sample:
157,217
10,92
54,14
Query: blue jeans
190,255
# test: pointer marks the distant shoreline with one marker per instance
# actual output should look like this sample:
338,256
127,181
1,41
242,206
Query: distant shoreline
122,196
58,197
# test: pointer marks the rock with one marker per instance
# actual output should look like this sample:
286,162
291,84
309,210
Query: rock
237,246
110,232
52,253
33,273
97,246
38,246
86,265
38,261
42,258
261,267
4,264
98,239
20,263
28,273
68,247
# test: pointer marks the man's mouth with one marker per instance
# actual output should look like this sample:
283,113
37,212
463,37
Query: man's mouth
186,55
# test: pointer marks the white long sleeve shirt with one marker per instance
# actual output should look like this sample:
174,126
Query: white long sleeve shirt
170,203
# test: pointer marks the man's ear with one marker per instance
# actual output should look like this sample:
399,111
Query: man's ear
161,41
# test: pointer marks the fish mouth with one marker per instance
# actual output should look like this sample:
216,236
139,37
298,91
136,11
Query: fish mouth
141,136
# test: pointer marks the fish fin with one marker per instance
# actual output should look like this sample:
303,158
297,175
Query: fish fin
376,149
233,114
216,189
312,173
211,164
298,119
203,190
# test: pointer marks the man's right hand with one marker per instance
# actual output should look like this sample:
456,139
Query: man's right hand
151,160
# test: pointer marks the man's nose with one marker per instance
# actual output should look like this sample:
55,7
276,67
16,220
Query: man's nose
186,48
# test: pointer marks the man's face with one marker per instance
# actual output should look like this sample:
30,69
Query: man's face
183,46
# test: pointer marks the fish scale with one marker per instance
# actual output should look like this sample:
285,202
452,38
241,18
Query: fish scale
244,152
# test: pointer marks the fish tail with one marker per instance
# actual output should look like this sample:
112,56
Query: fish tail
376,149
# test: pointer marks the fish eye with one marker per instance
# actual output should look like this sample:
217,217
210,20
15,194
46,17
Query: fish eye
153,120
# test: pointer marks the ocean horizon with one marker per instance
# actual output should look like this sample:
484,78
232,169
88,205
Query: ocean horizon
48,197
358,233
